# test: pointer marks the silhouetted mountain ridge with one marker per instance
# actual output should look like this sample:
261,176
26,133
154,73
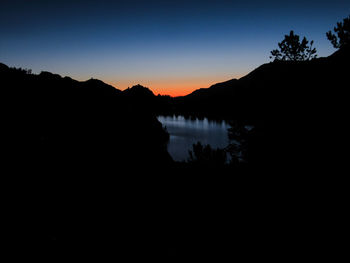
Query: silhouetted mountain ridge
139,91
271,85
103,87
72,147
49,106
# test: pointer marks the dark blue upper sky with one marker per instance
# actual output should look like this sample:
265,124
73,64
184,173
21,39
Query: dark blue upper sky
171,46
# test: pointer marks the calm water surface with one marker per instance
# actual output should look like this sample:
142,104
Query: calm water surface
185,132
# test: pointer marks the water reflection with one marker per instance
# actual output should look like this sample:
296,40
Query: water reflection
185,132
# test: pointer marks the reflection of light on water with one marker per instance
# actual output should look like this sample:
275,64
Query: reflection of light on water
205,124
186,132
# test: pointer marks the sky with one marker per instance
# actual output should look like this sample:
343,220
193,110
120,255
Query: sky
171,47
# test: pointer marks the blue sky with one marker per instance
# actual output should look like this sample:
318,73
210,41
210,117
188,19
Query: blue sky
173,47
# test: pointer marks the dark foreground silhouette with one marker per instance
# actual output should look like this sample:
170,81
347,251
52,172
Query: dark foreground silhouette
88,167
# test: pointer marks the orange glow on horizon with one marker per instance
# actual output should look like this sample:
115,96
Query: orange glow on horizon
176,89
173,87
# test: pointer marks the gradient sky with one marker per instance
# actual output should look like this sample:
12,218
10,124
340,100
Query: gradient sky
172,47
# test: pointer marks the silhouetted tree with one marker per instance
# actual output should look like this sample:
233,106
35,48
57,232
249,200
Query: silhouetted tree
22,71
237,147
244,142
343,33
205,155
292,49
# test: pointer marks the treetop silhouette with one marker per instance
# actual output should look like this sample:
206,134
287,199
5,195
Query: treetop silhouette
292,49
343,34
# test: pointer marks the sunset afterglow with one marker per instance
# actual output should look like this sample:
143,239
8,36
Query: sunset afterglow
172,47
174,86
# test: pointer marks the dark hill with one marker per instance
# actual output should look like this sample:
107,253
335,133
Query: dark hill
214,90
72,150
99,86
139,91
273,88
141,99
83,156
78,116
296,108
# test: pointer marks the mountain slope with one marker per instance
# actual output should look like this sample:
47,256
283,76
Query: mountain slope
298,111
276,86
77,157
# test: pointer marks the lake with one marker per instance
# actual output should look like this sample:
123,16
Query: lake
185,132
